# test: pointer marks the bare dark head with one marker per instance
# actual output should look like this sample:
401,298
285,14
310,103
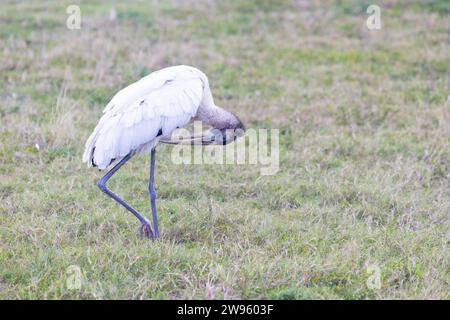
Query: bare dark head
228,129
226,126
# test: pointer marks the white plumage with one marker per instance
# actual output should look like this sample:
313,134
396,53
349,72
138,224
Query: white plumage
139,115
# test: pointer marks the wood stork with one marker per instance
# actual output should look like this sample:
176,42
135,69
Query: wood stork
146,113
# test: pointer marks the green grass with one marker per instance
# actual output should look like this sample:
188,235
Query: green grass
364,152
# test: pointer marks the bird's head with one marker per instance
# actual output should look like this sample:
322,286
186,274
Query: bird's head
227,130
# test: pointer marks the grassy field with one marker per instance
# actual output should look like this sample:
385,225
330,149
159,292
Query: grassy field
364,180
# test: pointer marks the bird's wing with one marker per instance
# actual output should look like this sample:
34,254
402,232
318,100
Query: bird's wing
125,97
128,127
154,81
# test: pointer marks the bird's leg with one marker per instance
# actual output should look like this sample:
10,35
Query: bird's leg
152,193
145,227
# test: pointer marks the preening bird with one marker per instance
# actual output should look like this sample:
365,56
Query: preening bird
144,114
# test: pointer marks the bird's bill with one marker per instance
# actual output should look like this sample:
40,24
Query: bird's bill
202,138
208,137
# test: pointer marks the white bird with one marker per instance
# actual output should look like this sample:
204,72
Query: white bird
146,113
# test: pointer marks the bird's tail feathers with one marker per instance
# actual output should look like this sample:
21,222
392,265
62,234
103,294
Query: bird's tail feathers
88,154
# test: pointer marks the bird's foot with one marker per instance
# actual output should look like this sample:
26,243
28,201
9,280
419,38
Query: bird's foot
146,230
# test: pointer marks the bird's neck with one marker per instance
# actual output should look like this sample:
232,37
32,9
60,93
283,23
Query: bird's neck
214,116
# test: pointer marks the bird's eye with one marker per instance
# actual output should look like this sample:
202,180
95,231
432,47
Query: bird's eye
239,133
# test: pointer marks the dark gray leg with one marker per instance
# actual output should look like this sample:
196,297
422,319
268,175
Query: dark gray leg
145,227
152,193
